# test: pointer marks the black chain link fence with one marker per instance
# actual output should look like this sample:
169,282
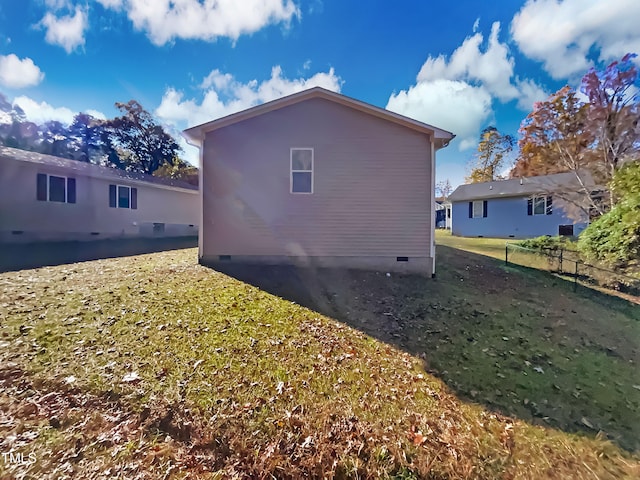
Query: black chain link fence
567,264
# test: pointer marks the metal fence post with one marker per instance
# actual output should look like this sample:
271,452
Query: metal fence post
561,250
575,278
506,253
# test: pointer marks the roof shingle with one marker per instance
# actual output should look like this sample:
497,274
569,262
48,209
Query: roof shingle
517,187
89,169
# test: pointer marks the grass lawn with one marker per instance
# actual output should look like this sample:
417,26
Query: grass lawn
624,286
492,247
155,367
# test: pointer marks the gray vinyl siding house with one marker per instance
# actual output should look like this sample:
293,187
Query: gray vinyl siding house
319,179
516,208
46,198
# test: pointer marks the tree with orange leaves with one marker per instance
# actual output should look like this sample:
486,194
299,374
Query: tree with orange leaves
591,139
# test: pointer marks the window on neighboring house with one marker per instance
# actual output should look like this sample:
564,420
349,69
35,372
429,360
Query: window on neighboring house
302,170
478,209
53,188
542,205
121,196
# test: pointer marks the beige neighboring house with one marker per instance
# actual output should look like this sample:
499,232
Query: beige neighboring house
317,178
46,198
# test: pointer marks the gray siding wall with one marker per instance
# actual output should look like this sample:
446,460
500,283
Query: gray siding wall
507,217
20,211
372,189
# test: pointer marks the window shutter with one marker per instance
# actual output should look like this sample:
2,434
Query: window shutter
42,187
134,198
484,208
71,190
549,205
112,196
530,206
470,209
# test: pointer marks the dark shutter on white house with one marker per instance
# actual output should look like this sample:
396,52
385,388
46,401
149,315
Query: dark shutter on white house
484,208
549,209
530,206
470,209
41,193
71,190
134,198
112,196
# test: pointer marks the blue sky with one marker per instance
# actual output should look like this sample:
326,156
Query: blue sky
460,65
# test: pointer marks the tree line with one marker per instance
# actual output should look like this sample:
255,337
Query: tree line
133,141
593,132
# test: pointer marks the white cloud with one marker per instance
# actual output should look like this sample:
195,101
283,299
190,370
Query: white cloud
57,4
530,92
493,68
218,80
457,93
43,112
166,20
19,73
115,4
562,34
225,95
96,114
66,31
449,104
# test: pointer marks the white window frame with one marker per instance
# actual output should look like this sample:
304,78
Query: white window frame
118,187
292,171
66,188
474,213
538,199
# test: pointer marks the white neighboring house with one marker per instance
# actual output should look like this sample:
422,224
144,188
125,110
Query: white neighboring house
46,198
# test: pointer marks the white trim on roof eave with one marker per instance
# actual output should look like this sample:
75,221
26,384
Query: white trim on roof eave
198,132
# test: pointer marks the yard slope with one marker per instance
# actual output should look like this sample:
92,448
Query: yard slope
153,366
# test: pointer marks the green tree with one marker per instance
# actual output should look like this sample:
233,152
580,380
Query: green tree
614,238
142,144
490,158
87,138
54,139
178,169
17,131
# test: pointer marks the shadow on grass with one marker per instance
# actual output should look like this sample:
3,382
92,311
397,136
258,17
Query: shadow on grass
33,255
513,339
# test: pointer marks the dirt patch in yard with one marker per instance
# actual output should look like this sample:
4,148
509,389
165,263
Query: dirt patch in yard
514,339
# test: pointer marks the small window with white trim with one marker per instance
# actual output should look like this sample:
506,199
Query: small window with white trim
52,188
478,209
301,170
122,196
541,205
